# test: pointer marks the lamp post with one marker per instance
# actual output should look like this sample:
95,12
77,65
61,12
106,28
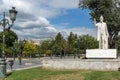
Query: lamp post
20,55
22,43
4,22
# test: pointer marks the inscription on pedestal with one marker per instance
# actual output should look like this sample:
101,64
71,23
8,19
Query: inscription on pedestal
101,53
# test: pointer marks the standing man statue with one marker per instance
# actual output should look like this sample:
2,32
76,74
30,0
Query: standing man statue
102,34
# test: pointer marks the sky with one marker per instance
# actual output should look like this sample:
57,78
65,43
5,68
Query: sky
42,19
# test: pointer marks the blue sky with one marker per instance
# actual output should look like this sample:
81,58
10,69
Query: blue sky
74,18
42,19
1,17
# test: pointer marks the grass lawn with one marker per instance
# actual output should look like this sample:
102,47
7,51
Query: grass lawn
52,74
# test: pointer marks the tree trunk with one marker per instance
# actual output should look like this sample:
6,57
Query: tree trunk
112,39
30,58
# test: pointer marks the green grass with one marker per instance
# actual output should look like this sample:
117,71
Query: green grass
53,74
103,75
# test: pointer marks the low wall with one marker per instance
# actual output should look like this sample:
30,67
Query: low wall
86,64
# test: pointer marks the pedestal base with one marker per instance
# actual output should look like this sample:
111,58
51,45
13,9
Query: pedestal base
101,53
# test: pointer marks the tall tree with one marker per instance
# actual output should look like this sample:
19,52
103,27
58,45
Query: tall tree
72,39
110,9
45,47
58,41
29,48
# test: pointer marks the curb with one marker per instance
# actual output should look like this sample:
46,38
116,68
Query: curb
23,68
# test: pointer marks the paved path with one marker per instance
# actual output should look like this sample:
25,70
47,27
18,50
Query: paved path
26,64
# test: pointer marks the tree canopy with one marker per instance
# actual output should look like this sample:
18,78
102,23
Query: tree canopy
29,48
10,37
71,45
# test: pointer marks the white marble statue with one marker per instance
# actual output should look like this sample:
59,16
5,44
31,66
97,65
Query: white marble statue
102,34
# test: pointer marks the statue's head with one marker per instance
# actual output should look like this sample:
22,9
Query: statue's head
101,18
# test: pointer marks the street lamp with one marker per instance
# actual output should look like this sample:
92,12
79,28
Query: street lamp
20,55
22,43
4,22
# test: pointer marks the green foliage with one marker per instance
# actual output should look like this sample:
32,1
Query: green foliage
87,42
17,47
56,48
72,39
9,50
118,43
48,52
10,37
29,48
57,44
1,47
59,38
45,46
73,45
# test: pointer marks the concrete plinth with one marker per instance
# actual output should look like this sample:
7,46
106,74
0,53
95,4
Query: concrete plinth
101,53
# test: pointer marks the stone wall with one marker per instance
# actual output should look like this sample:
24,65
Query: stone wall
86,64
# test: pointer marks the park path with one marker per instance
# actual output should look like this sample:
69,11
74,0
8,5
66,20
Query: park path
26,64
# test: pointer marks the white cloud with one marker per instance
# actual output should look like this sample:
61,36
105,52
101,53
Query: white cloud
81,31
63,4
51,29
37,33
40,22
32,19
45,8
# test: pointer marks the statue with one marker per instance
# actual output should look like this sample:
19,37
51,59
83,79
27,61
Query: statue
102,34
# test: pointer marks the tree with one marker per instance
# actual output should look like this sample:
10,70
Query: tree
72,38
54,46
45,47
87,42
110,10
38,50
65,46
10,37
15,49
59,43
29,48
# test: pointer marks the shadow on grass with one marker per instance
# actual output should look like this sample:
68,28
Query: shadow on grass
10,73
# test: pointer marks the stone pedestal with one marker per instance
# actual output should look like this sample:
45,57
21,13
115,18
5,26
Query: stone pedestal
101,53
